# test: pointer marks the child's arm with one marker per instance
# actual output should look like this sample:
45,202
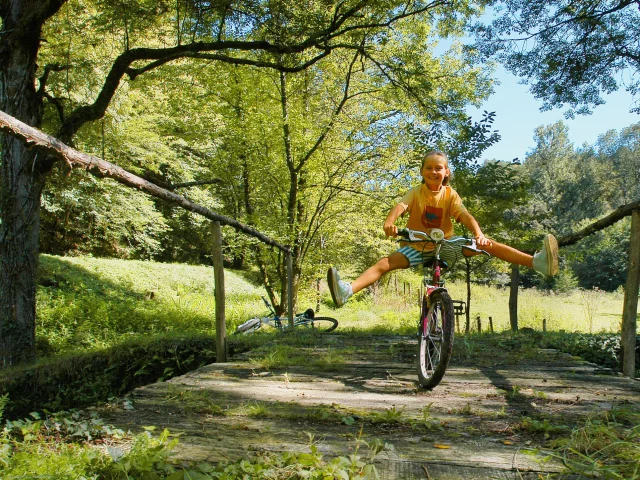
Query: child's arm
390,228
468,221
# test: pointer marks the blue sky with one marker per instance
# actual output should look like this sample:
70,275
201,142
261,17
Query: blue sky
518,114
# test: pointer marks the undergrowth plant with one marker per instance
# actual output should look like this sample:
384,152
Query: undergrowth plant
606,445
78,445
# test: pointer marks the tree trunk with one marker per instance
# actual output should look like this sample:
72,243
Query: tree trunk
20,191
513,297
20,186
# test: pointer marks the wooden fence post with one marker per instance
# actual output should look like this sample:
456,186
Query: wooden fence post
491,324
467,326
479,324
513,297
630,309
544,324
218,275
290,289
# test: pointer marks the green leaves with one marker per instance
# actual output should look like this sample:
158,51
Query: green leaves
570,52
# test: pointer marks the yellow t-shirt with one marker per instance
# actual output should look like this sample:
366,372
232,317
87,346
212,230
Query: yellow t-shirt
429,210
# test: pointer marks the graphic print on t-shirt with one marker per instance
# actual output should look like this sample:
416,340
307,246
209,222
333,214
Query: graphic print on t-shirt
431,217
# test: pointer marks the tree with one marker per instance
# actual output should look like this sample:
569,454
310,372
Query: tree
570,52
573,187
237,32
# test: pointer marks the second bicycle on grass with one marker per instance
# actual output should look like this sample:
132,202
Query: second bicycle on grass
306,319
436,322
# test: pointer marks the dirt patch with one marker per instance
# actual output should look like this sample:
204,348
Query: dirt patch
487,418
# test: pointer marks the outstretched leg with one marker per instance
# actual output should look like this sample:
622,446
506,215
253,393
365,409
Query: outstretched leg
545,261
341,291
508,254
393,262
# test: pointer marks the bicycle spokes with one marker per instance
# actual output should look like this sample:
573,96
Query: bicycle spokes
435,339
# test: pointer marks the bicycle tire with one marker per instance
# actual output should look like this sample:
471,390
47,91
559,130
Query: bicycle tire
435,339
321,324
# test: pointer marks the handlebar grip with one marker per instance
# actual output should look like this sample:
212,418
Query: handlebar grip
404,232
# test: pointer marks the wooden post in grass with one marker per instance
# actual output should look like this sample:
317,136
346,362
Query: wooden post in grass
513,297
491,324
479,324
218,275
289,289
630,309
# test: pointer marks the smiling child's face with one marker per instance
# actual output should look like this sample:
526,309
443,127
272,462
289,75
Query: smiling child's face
434,170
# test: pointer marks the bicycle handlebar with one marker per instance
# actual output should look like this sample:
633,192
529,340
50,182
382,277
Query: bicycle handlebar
412,236
419,236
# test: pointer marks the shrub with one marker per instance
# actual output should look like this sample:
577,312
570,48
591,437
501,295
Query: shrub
602,348
79,380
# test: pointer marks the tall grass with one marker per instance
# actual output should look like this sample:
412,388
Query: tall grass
86,303
392,308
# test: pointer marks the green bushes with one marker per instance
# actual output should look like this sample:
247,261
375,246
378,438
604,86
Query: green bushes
84,379
71,445
602,348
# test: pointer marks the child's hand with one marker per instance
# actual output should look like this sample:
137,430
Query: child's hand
390,230
482,241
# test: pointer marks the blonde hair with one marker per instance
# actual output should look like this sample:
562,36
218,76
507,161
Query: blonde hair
439,153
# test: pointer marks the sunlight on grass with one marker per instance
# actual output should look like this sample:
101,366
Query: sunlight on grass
87,303
397,313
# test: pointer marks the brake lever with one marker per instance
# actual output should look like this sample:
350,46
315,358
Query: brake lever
406,235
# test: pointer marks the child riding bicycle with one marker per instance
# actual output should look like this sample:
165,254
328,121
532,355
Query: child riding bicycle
432,205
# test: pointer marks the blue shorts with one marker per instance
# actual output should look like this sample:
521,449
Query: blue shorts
450,252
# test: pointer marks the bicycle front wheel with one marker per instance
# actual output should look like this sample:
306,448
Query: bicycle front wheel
320,324
435,339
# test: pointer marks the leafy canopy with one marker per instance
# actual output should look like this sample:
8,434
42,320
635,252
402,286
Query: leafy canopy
570,52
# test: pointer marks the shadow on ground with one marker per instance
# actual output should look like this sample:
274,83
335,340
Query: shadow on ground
489,417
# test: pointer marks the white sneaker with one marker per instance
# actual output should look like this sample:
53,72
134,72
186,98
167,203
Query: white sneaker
340,291
546,260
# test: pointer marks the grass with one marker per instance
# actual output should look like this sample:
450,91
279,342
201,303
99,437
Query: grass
89,303
390,312
277,356
86,303
605,445
72,445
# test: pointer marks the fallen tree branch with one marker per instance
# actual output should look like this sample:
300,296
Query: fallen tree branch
34,138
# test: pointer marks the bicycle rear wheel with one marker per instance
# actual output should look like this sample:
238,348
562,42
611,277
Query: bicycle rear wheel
320,324
435,339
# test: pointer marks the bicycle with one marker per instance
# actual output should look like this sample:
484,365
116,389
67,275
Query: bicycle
436,323
306,319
